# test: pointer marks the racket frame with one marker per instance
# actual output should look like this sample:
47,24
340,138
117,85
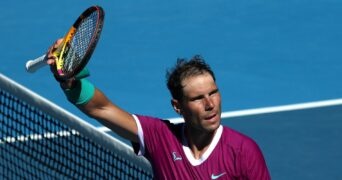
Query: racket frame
63,48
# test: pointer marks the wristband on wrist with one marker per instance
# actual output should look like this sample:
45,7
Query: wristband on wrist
82,74
81,93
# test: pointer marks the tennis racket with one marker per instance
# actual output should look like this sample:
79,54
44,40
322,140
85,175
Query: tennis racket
77,46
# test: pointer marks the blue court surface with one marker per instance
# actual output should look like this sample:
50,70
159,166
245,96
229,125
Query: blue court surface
264,54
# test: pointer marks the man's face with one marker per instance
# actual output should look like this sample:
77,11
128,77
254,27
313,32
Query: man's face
201,105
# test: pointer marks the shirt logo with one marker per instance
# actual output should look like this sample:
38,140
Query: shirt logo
213,176
175,157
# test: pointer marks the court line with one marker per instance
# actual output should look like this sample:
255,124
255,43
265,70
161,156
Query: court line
274,109
264,110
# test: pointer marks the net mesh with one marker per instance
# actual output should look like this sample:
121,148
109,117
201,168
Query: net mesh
34,145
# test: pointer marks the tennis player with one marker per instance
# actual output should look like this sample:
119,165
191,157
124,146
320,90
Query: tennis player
199,148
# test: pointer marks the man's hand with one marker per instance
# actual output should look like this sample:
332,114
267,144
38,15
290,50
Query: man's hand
65,84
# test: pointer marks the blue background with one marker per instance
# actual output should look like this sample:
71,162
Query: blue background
264,53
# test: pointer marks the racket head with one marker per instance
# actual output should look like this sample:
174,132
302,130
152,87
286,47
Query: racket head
79,43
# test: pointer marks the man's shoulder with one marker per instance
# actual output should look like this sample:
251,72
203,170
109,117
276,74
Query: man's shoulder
152,119
236,139
159,124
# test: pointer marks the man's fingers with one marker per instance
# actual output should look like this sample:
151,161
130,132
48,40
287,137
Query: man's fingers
50,56
56,44
51,61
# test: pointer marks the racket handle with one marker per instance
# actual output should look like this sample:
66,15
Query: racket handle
35,64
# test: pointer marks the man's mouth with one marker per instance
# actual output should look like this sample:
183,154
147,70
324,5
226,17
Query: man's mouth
210,117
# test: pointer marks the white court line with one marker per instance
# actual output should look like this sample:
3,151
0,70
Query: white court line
239,113
264,110
48,135
274,109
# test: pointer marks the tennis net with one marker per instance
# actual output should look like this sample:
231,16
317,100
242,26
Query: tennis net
40,140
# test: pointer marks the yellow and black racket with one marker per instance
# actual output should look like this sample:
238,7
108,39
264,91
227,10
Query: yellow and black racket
78,45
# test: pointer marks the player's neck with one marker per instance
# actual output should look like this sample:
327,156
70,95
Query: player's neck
198,141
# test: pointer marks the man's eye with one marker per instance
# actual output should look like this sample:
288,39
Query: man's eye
214,92
196,98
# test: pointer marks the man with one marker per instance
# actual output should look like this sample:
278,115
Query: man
199,148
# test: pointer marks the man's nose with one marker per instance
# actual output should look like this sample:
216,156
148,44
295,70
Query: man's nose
208,103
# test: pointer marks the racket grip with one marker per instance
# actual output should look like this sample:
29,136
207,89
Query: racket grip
35,64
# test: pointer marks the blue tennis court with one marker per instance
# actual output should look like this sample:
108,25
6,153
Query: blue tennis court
298,144
264,53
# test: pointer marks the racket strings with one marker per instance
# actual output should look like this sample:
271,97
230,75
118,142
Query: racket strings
81,42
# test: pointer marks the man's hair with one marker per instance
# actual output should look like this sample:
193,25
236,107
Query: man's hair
183,69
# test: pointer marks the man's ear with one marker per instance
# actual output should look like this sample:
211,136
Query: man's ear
176,106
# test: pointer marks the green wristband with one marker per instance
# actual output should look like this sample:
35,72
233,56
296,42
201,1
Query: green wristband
81,93
83,74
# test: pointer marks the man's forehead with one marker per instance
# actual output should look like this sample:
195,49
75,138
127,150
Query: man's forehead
198,83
